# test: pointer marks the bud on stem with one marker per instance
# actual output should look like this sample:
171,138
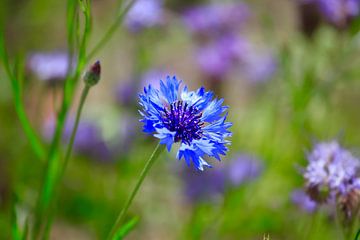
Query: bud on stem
92,76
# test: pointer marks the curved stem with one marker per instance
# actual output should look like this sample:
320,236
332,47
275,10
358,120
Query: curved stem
159,148
84,94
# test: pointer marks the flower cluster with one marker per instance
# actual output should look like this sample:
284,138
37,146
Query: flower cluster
220,48
208,186
49,67
88,140
144,14
333,175
212,184
192,118
337,12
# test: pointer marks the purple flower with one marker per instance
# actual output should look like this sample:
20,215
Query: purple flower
210,20
218,57
51,66
258,67
339,11
300,198
243,168
203,186
332,170
144,14
125,93
88,140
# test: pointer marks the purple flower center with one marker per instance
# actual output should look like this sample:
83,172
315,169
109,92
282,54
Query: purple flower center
184,120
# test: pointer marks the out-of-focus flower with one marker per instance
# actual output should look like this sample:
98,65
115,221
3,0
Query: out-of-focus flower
258,67
337,12
192,118
50,67
144,14
243,168
332,170
205,186
215,19
218,57
125,93
88,140
300,198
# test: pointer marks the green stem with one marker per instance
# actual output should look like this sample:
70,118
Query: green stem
30,133
68,153
159,148
107,36
73,134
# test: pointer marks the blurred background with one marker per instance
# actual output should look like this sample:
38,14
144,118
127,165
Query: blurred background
287,69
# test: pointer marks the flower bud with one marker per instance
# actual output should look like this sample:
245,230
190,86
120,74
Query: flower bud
92,76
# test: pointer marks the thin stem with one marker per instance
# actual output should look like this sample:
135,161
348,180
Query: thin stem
68,153
73,134
159,148
30,133
107,36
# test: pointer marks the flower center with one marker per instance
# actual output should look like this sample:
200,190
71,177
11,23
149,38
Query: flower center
184,120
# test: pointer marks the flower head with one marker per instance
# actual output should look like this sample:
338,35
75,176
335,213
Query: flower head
300,198
204,186
332,171
214,19
244,168
192,118
144,14
51,66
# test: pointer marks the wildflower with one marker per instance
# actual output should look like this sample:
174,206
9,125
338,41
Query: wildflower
88,140
191,118
339,12
49,67
336,12
215,19
205,186
144,14
243,168
300,198
331,171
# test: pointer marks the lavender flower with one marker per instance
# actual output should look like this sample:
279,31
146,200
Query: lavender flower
205,186
49,66
331,171
337,12
258,67
210,20
88,140
300,198
144,14
243,168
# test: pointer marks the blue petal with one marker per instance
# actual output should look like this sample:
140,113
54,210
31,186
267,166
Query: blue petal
213,111
170,89
166,137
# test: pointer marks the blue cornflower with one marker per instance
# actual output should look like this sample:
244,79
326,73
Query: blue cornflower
192,118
